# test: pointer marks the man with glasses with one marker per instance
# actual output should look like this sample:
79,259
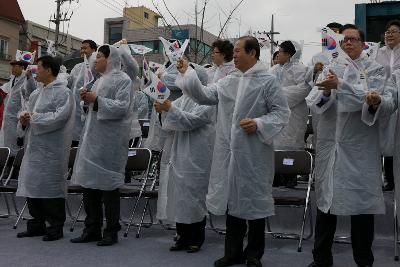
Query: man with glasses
348,165
389,57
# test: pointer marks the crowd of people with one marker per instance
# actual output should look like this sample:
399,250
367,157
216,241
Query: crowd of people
217,134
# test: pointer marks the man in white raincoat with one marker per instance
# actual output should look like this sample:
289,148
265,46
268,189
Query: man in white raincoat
46,125
75,83
192,129
292,77
252,110
389,57
103,151
222,58
348,166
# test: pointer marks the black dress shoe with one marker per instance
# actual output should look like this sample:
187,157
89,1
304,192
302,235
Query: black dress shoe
30,234
314,264
53,237
108,240
364,265
193,249
178,247
253,263
224,261
86,238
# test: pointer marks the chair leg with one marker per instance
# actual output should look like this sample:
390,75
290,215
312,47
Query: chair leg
142,218
20,215
132,215
14,204
302,228
8,207
268,225
75,219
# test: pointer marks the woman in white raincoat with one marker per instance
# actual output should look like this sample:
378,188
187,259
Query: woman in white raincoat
103,150
46,125
191,126
222,57
348,166
251,112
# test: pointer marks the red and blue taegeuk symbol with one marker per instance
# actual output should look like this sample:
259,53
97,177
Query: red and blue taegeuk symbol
27,57
161,87
330,43
366,46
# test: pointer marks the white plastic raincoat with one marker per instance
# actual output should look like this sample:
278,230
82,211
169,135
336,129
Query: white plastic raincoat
215,73
190,159
166,142
12,107
242,170
348,165
390,59
75,83
103,151
292,78
47,142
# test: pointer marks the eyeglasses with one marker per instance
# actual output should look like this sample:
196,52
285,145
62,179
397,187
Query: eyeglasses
351,40
391,33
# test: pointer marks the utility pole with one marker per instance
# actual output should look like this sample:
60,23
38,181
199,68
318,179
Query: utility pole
271,35
59,17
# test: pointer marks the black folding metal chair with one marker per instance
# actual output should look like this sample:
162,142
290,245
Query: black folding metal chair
144,186
296,162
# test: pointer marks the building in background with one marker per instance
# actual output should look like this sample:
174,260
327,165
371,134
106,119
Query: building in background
11,22
140,26
372,18
33,37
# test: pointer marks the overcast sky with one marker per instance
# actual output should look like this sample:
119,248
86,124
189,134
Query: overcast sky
294,19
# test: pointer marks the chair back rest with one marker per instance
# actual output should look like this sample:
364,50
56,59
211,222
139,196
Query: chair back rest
293,162
144,126
138,160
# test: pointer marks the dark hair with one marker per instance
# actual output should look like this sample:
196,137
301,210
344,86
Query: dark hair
91,43
105,49
335,25
288,47
48,62
354,27
251,43
394,22
276,53
225,47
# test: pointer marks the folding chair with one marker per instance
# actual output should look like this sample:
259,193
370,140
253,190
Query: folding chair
139,160
144,125
4,190
12,183
73,189
297,162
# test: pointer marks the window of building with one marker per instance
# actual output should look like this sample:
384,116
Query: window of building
146,15
3,48
115,33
